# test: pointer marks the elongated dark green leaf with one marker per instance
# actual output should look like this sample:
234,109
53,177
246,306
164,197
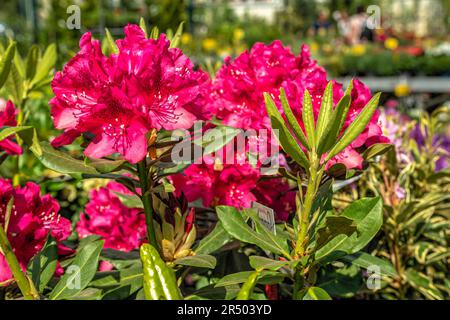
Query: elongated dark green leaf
235,225
292,120
308,118
43,265
368,215
143,26
214,241
32,62
339,113
175,41
199,261
45,65
117,278
61,162
79,273
266,277
15,85
106,166
376,150
287,141
263,263
325,114
6,62
365,260
330,247
9,131
356,127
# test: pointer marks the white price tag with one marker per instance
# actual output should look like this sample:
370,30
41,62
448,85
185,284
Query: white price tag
266,216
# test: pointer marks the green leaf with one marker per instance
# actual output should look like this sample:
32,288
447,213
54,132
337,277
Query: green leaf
9,131
423,284
248,286
175,41
111,43
115,278
368,215
336,123
6,62
15,85
61,162
216,138
325,114
159,280
46,63
143,26
292,120
43,265
263,263
154,33
333,226
287,141
84,267
266,277
316,293
199,261
356,127
235,225
308,118
331,247
104,165
32,62
365,260
376,150
214,240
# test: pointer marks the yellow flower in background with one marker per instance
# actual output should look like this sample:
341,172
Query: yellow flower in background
314,47
186,38
402,90
238,34
358,50
391,43
209,44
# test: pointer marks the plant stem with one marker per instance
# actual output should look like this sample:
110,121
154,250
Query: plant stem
146,201
27,288
306,207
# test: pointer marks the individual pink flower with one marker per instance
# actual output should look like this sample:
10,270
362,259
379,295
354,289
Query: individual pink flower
8,118
118,99
33,217
105,215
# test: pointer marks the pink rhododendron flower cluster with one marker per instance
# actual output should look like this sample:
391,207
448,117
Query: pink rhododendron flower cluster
33,217
278,195
218,184
146,85
8,118
237,97
105,215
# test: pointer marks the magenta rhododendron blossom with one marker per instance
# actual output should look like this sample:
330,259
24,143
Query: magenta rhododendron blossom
105,215
146,85
278,195
229,184
238,101
33,217
8,118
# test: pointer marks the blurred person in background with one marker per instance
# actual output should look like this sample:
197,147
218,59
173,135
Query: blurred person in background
322,26
359,30
343,25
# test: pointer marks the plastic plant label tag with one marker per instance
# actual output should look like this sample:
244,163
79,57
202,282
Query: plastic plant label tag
266,216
